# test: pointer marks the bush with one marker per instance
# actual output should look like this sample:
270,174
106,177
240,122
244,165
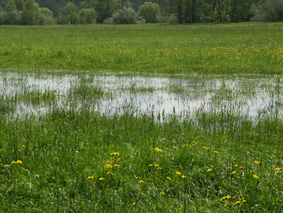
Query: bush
125,16
46,16
272,10
87,16
149,11
2,15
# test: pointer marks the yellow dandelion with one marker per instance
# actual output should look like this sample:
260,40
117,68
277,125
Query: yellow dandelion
134,203
178,173
6,165
114,153
108,173
137,177
209,170
109,166
156,165
255,176
13,162
19,162
227,204
168,178
101,178
184,176
234,172
141,181
236,165
237,202
150,165
118,159
158,150
23,146
241,167
162,193
278,170
116,165
90,177
159,168
216,152
256,162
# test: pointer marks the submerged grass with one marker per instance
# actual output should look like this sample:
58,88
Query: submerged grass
173,49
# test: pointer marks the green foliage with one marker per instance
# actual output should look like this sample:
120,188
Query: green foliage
104,8
2,15
46,16
68,14
87,16
11,6
20,4
272,10
149,11
31,13
125,16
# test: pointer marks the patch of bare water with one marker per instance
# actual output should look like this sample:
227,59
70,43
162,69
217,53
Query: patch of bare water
182,96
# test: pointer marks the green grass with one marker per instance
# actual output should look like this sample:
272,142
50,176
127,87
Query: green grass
203,49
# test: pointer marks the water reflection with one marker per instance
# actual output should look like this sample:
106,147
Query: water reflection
184,95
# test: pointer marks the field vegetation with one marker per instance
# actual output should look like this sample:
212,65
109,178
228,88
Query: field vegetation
68,156
204,49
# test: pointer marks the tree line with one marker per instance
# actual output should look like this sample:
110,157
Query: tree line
31,12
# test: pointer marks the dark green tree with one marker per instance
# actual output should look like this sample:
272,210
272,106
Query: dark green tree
104,8
68,14
11,15
149,12
31,13
87,16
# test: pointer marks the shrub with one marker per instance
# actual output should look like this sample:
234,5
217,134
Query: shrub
125,16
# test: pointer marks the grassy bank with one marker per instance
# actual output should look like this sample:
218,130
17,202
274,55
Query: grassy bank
203,49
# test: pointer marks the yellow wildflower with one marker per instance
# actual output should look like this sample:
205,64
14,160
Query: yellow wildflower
255,176
209,170
156,165
134,203
118,159
227,204
237,202
101,178
108,173
162,193
236,165
256,162
159,168
141,181
90,177
150,165
13,162
6,165
137,177
109,166
278,170
241,167
19,162
158,150
23,146
168,178
184,176
116,165
114,153
216,152
234,172
178,173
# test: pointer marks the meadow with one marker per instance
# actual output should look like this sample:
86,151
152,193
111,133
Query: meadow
60,150
204,49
